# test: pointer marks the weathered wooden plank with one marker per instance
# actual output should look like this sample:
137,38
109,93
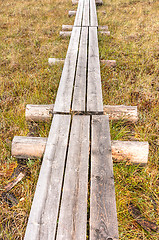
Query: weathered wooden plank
103,216
94,91
78,19
28,147
64,94
85,22
73,213
93,14
79,96
44,211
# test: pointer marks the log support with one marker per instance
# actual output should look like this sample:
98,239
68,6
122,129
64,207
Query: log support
44,112
65,34
108,63
98,2
33,147
53,61
72,13
70,27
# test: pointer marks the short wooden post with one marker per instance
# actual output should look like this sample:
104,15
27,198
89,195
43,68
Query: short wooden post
71,13
53,61
104,32
65,34
109,63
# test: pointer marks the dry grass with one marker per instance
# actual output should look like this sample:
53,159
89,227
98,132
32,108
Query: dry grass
29,35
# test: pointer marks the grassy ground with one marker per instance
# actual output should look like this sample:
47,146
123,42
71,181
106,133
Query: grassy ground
29,35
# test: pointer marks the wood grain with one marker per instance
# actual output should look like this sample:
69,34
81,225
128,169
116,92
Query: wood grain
64,94
73,212
103,216
28,147
44,211
79,14
79,96
85,22
38,112
93,14
94,92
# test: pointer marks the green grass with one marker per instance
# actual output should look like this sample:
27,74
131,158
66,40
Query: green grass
29,35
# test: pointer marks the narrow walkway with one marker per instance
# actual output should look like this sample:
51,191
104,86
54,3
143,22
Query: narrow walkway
75,195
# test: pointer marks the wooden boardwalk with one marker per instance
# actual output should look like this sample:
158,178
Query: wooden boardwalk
77,166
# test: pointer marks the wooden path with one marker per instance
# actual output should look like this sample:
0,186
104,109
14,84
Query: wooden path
75,195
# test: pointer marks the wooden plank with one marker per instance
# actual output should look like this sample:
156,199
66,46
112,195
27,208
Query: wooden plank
94,90
73,212
64,94
79,14
103,216
93,14
85,22
44,211
79,96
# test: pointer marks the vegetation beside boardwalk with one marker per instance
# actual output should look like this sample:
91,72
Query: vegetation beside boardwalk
29,35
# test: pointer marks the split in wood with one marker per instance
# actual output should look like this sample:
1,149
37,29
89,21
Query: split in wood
72,13
53,61
44,112
70,27
34,147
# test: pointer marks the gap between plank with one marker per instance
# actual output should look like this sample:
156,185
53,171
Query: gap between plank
76,68
89,181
